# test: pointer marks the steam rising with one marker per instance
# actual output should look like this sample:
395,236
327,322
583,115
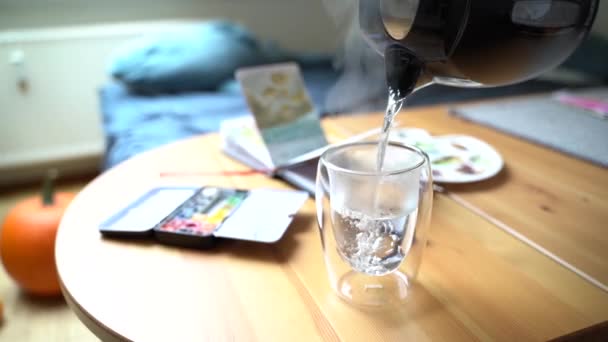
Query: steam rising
362,85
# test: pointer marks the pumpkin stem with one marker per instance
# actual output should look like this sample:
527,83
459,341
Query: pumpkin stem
48,187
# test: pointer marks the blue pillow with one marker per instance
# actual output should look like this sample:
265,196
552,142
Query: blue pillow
198,57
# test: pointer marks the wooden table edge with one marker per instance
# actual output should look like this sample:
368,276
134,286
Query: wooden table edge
101,331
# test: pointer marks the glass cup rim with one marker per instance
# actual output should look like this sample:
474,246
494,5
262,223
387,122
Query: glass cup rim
336,148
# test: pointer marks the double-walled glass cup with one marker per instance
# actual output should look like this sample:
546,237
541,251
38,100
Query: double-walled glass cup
373,224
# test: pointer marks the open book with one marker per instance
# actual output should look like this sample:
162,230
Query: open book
283,136
242,141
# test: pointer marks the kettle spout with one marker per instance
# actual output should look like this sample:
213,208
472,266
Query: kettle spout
404,71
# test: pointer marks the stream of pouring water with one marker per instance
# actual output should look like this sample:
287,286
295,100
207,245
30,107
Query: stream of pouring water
377,242
394,105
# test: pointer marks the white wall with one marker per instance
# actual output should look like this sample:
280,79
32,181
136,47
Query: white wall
298,24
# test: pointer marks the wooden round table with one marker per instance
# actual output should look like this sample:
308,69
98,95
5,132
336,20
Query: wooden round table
476,281
143,291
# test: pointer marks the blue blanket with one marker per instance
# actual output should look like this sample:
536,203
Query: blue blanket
134,123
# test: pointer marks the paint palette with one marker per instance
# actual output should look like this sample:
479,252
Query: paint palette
195,217
454,158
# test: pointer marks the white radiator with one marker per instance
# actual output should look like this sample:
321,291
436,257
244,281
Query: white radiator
49,112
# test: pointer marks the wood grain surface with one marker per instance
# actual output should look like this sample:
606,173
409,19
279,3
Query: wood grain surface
553,199
476,281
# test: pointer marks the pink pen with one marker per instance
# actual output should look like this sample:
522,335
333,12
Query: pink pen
597,106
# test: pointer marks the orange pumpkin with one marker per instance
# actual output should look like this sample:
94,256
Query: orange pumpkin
27,241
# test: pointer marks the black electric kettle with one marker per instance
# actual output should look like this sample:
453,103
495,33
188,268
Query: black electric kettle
472,43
